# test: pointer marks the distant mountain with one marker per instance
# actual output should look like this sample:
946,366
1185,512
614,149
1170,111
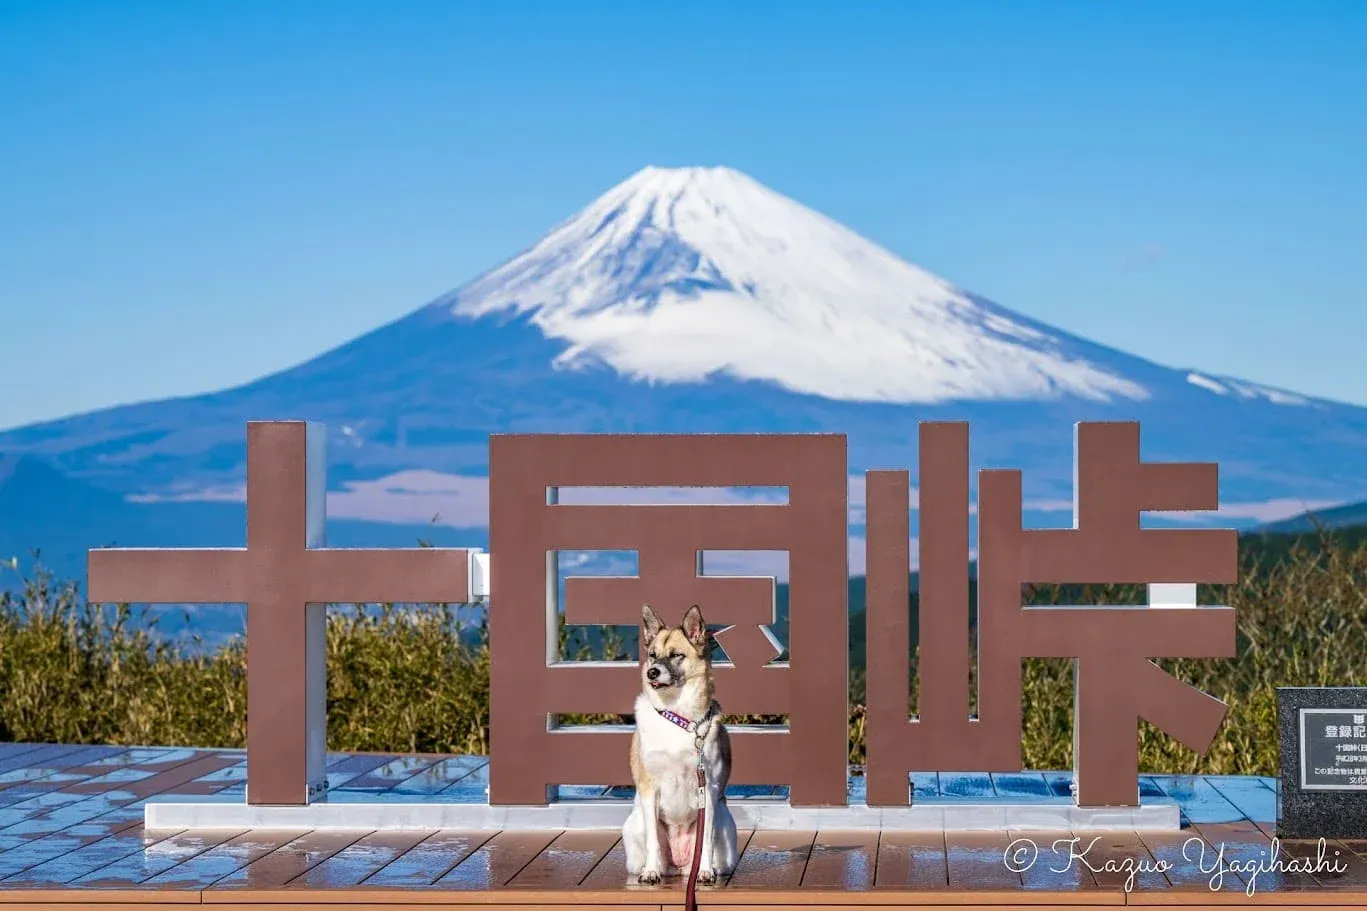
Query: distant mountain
685,300
61,517
1349,515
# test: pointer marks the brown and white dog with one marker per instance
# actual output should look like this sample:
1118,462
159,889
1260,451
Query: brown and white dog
677,723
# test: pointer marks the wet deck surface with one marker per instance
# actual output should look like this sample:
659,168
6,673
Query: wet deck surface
71,819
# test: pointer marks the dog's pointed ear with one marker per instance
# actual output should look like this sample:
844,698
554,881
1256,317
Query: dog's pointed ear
651,624
694,627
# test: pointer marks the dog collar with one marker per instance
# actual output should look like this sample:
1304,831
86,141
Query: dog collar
682,722
678,720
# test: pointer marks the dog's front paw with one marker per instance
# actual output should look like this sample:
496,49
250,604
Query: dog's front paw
707,876
649,878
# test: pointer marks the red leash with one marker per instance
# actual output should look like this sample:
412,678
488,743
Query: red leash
691,890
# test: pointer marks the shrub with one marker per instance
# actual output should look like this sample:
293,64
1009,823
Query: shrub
417,679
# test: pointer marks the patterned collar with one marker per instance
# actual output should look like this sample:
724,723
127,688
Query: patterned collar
682,722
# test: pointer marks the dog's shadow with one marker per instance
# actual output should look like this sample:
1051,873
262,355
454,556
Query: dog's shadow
832,849
678,880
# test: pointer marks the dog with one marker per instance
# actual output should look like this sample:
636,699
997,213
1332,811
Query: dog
677,721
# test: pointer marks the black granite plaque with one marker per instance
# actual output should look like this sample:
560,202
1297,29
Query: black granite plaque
1323,762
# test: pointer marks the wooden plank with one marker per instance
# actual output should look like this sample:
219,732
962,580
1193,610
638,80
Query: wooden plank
429,900
912,860
1191,865
1048,862
1024,786
230,779
136,782
121,899
137,763
359,860
774,859
921,786
138,866
230,774
1331,863
1249,849
110,792
844,861
52,820
1148,787
138,756
567,861
29,850
35,801
611,870
471,788
148,778
1250,796
26,791
986,900
289,861
743,839
36,758
1120,860
1060,783
976,860
966,786
80,819
346,770
50,780
493,864
1199,800
358,762
384,777
101,775
507,900
66,766
1226,901
427,861
70,866
203,870
1350,871
442,775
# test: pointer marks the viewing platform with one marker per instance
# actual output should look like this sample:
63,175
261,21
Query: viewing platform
72,832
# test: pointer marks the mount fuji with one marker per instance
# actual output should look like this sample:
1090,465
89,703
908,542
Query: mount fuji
685,300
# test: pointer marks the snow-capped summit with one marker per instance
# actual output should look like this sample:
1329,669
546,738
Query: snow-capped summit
692,300
679,274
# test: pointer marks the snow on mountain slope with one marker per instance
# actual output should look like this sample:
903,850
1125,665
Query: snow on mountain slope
1225,385
694,301
677,275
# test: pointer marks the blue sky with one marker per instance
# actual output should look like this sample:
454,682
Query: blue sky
194,194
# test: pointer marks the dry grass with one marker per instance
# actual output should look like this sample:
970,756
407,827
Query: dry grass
417,679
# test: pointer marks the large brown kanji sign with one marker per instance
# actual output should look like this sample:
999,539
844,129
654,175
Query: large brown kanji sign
285,576
527,526
1116,684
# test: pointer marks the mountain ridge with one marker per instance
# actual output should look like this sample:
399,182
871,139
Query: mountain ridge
701,301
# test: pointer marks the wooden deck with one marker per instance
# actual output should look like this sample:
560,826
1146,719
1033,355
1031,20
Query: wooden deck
71,835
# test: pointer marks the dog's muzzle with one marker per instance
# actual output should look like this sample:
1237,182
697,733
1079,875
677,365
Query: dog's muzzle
659,676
